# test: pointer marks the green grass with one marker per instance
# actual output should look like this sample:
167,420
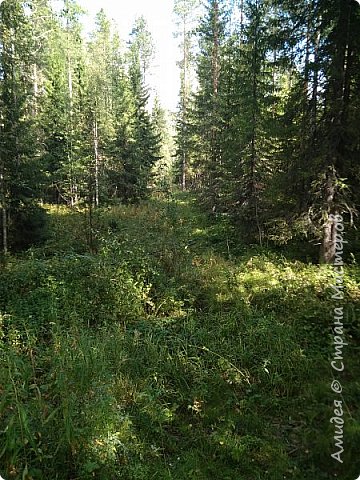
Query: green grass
169,352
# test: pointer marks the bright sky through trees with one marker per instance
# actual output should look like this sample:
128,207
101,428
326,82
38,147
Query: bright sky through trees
158,13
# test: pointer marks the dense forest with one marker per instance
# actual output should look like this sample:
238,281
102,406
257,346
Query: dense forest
169,280
267,125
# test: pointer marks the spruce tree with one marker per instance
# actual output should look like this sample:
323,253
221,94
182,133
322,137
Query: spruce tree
186,12
138,144
208,122
20,171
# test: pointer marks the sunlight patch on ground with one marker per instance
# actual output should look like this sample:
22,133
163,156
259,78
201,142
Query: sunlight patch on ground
199,231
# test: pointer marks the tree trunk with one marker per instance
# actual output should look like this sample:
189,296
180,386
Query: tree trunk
96,158
215,66
184,103
328,245
253,190
72,181
327,250
315,87
183,168
241,21
3,215
36,90
215,54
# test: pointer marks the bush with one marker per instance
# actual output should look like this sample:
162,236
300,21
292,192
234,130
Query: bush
163,355
28,227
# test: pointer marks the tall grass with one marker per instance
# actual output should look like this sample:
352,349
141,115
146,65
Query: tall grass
164,355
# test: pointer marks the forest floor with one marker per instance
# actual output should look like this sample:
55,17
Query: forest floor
169,351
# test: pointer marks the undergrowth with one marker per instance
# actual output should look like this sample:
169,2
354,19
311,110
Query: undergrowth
165,351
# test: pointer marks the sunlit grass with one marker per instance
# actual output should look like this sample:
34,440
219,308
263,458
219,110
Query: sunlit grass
159,355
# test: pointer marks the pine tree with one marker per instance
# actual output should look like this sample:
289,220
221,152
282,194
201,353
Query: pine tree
20,171
338,147
208,122
319,144
163,169
254,160
100,102
73,169
186,12
139,145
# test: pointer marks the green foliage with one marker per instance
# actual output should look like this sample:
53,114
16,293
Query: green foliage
187,13
21,174
75,126
140,340
28,227
166,355
268,137
163,168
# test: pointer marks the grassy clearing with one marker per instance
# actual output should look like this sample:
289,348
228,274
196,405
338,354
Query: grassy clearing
165,354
